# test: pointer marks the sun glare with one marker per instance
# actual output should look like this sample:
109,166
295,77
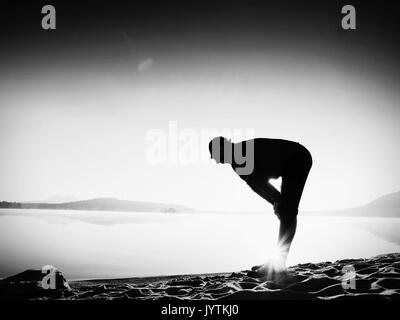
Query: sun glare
276,262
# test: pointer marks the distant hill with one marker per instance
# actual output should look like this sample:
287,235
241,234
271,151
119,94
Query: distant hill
101,204
56,199
385,206
389,201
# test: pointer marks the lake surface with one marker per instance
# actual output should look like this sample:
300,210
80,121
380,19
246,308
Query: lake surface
94,244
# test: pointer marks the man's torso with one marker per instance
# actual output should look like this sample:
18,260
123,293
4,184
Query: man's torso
270,155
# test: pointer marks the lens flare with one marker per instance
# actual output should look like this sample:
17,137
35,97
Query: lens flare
275,264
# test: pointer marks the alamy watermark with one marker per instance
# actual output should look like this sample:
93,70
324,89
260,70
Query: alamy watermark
49,18
348,21
188,146
349,277
49,280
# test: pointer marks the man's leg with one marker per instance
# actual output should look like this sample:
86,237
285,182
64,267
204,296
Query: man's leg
291,191
287,231
286,211
265,190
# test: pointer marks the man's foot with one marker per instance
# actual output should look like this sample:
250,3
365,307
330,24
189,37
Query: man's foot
267,270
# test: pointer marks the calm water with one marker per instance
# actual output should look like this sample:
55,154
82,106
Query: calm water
87,245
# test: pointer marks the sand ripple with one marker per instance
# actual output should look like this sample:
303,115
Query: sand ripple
376,278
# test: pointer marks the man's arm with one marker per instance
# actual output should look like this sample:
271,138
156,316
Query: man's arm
264,189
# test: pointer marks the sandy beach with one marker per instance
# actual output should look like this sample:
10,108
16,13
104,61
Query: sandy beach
375,278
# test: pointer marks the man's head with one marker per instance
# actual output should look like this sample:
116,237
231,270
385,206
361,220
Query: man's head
220,150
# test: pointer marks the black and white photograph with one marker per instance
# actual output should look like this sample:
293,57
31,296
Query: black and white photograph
218,151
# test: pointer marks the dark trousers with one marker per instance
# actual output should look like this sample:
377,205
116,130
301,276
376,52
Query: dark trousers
294,177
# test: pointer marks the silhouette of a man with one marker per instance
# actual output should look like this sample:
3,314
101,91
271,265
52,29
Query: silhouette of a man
270,158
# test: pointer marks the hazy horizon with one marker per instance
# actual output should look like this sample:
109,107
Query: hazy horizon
59,198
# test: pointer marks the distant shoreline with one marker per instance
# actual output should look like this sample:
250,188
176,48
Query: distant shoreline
100,204
387,206
350,213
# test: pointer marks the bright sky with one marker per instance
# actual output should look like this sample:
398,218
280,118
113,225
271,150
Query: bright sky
84,133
